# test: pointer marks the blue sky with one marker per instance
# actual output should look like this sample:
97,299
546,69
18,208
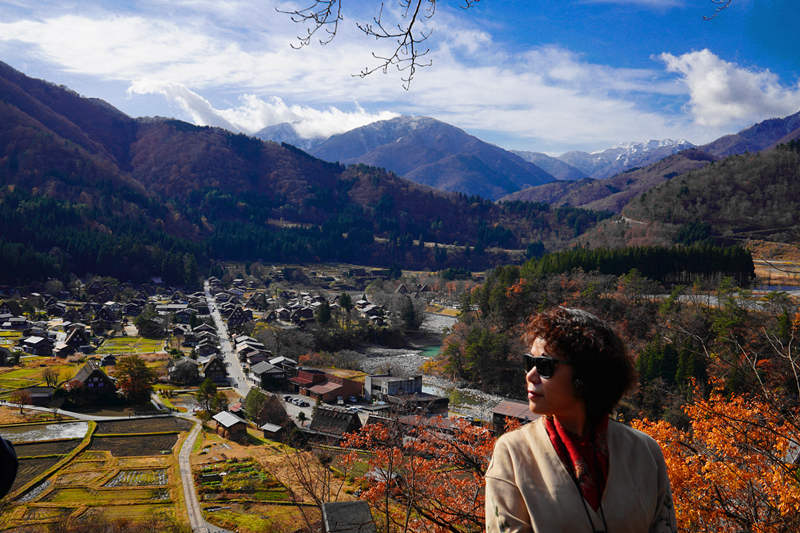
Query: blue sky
534,75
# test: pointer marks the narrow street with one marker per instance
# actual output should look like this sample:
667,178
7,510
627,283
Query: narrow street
237,377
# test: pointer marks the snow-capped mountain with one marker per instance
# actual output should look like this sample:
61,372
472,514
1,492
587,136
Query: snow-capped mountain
612,161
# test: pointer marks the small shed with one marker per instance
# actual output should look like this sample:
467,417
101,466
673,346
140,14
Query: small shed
274,432
230,426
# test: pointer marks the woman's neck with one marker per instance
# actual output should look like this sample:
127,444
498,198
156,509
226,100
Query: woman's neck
576,423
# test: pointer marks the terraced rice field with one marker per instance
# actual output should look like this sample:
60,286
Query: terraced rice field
30,468
121,477
135,445
155,513
59,447
139,478
46,513
149,425
99,497
18,378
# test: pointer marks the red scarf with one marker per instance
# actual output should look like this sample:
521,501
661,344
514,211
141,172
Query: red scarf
585,458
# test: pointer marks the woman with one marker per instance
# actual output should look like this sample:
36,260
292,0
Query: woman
573,469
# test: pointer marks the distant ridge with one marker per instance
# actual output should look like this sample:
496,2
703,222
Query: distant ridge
431,152
615,192
552,165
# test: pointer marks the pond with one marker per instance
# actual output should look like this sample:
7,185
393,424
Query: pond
37,432
431,351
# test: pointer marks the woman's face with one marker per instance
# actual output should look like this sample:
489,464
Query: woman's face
554,395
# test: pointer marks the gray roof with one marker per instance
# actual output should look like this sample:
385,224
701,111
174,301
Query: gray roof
272,428
228,419
264,368
282,359
347,517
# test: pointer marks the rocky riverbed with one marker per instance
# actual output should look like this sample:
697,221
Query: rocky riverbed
407,361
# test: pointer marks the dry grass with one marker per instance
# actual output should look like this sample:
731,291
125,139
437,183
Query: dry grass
11,415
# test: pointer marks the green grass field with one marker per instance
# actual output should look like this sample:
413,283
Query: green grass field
118,345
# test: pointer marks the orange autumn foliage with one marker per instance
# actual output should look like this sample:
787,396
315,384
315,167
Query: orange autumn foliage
425,478
731,469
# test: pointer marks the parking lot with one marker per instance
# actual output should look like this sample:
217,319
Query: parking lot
297,403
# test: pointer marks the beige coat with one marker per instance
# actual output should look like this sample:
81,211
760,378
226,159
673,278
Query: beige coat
529,489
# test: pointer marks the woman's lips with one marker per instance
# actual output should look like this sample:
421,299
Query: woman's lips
532,395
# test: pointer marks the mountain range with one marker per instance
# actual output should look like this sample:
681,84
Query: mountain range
612,161
615,192
434,153
85,188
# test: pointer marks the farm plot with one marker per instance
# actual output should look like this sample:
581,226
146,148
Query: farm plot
91,496
58,447
149,425
239,480
259,517
129,345
18,378
46,513
30,468
139,478
135,444
120,477
160,517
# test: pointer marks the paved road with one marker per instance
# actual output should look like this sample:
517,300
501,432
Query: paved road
237,377
196,519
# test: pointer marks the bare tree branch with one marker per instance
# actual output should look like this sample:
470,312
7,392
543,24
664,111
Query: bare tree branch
322,14
721,5
408,53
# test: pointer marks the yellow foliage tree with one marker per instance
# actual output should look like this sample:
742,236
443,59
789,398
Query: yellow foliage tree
735,468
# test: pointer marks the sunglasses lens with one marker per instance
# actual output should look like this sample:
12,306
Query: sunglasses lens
545,366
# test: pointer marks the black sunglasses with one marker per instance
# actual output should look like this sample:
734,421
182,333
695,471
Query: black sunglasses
545,366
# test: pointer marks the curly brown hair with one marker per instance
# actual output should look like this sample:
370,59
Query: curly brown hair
602,369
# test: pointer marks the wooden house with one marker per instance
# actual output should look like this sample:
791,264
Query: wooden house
215,370
230,426
93,381
330,423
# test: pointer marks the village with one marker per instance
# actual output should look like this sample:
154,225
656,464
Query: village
235,377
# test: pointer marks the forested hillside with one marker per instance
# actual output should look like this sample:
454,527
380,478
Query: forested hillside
86,189
749,195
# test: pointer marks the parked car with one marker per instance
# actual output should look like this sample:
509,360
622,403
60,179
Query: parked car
304,404
287,398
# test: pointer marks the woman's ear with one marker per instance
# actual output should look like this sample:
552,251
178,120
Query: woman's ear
577,384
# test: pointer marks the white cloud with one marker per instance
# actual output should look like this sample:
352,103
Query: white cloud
238,58
255,113
723,93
